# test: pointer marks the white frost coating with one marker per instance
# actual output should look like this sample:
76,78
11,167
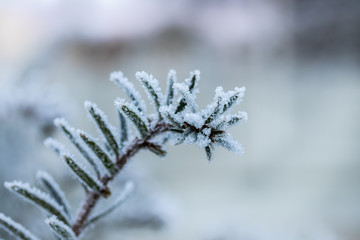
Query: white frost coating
201,138
240,92
119,79
98,111
202,141
121,102
60,228
15,228
194,119
172,76
225,121
175,138
228,143
79,132
148,81
17,185
219,92
206,131
40,175
54,145
189,97
61,122
171,80
84,169
143,76
190,138
242,116
223,101
81,147
188,81
88,105
168,114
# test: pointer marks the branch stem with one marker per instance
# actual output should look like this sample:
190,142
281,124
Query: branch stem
92,198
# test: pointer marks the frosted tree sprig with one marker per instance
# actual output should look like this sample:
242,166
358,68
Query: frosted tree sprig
176,120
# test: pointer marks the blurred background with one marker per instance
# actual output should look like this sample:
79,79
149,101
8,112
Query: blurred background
299,178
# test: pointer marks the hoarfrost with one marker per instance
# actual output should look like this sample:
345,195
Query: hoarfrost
54,190
188,96
119,79
55,145
39,198
103,125
60,229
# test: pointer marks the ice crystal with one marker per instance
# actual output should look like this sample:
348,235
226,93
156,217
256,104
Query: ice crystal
61,230
140,121
151,86
128,87
103,125
37,197
47,181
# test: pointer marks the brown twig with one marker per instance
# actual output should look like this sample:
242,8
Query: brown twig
92,197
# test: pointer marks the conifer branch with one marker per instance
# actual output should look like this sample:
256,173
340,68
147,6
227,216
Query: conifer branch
176,122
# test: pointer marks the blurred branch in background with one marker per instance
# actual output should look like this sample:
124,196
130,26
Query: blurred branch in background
25,119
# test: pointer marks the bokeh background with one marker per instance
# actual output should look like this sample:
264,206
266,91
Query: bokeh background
299,178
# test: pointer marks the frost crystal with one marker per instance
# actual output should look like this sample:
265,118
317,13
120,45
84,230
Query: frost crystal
170,84
193,81
60,229
98,151
82,174
208,127
103,125
39,198
151,86
54,190
188,97
69,132
134,115
53,144
128,87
